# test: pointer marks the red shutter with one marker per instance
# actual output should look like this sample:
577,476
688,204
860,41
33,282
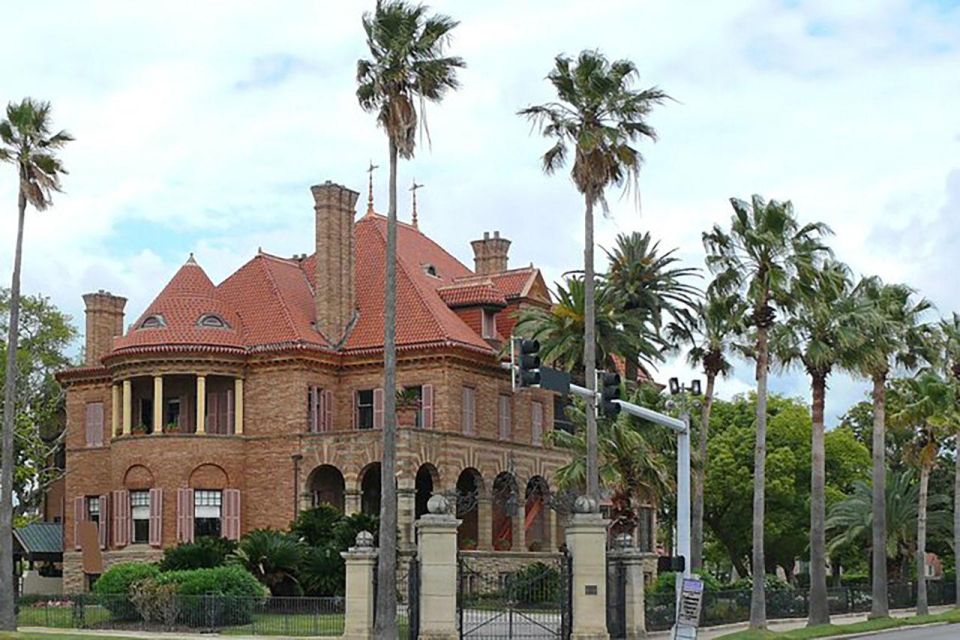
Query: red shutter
427,393
103,527
94,424
185,515
155,537
230,427
231,514
79,515
327,419
378,408
118,524
536,419
312,410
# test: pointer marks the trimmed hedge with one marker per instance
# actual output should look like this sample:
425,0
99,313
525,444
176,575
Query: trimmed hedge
115,584
232,580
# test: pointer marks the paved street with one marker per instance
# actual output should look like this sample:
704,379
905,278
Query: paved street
940,632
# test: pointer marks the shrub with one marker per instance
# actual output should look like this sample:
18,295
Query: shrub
237,589
114,587
316,526
322,571
667,583
535,584
273,557
206,552
156,602
327,533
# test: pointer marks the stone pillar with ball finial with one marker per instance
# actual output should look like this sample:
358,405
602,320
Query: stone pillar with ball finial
586,535
360,592
437,551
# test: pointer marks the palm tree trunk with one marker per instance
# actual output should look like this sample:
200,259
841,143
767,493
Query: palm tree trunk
590,351
696,527
386,622
819,610
956,516
8,621
758,603
922,608
879,607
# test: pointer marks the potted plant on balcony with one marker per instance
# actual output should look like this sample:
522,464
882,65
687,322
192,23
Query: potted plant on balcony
139,429
408,406
171,427
468,544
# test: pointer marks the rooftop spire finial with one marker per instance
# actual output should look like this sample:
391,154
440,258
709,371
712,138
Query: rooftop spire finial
413,189
370,170
191,259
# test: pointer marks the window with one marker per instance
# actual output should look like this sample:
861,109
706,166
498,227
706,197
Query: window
319,409
504,411
411,399
468,418
560,420
207,507
212,321
172,414
93,509
430,270
155,321
536,423
94,424
146,414
364,400
489,324
140,514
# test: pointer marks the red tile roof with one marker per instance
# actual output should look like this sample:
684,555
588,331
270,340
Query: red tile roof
472,293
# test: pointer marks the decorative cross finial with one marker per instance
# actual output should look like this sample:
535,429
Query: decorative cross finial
413,190
370,170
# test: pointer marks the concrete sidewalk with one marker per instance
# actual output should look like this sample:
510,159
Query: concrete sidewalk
707,633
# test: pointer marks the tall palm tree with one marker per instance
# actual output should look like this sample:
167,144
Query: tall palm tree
766,256
895,336
406,69
950,361
650,287
820,335
925,405
601,116
26,141
717,322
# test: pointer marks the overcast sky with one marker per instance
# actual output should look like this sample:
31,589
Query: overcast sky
201,125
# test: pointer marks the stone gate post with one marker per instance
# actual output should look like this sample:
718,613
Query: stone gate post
634,561
587,541
360,591
437,552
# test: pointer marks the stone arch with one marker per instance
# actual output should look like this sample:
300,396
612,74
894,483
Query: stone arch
426,483
138,477
536,520
505,506
326,485
469,494
209,476
370,489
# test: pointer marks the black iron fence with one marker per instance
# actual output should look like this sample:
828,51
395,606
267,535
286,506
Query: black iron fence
725,607
171,612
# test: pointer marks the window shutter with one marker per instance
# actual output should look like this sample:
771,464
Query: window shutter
155,537
103,527
121,506
231,514
378,408
79,515
185,515
312,409
468,421
504,406
355,420
94,424
327,410
231,418
427,399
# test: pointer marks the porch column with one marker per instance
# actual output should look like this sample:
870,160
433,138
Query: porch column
518,523
484,523
116,404
201,404
238,406
406,510
127,406
158,404
351,501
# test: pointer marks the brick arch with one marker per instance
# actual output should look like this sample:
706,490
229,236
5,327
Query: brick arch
138,477
209,476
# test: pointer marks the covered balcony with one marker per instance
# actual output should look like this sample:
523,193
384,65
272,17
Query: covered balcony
178,403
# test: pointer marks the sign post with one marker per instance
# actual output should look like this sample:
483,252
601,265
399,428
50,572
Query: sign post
688,609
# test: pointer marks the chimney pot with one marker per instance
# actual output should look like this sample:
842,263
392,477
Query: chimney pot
335,206
490,254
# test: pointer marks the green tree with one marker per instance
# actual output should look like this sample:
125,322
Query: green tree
273,557
601,116
820,334
26,141
895,336
950,361
766,256
407,68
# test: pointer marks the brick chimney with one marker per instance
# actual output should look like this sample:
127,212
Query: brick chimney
490,254
335,206
104,321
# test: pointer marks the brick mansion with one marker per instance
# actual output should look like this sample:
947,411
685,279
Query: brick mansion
224,408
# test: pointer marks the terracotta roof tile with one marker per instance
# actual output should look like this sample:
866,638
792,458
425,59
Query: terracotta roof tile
464,294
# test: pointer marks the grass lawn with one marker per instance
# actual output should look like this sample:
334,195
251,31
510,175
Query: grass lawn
51,636
272,624
830,630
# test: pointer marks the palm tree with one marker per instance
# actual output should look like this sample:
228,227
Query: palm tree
767,256
894,336
650,288
950,361
27,142
407,68
717,321
601,116
274,558
820,334
926,405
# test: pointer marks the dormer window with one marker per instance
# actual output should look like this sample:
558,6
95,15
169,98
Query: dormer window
489,324
213,321
430,270
155,321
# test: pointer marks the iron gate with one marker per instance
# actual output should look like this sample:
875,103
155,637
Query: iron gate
408,597
616,598
530,602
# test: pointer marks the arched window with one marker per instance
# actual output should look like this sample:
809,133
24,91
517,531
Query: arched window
155,321
213,321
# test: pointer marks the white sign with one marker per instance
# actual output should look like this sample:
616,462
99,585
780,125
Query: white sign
688,608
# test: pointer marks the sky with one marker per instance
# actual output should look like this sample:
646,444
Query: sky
201,125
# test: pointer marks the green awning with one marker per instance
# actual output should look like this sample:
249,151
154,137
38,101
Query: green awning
39,540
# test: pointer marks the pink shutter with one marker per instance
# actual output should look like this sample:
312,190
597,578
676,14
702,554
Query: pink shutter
378,408
231,418
79,515
327,420
231,514
94,424
156,517
312,409
355,420
118,528
427,393
103,527
185,515
536,419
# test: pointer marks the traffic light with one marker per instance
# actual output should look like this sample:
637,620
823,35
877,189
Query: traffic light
608,386
527,363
